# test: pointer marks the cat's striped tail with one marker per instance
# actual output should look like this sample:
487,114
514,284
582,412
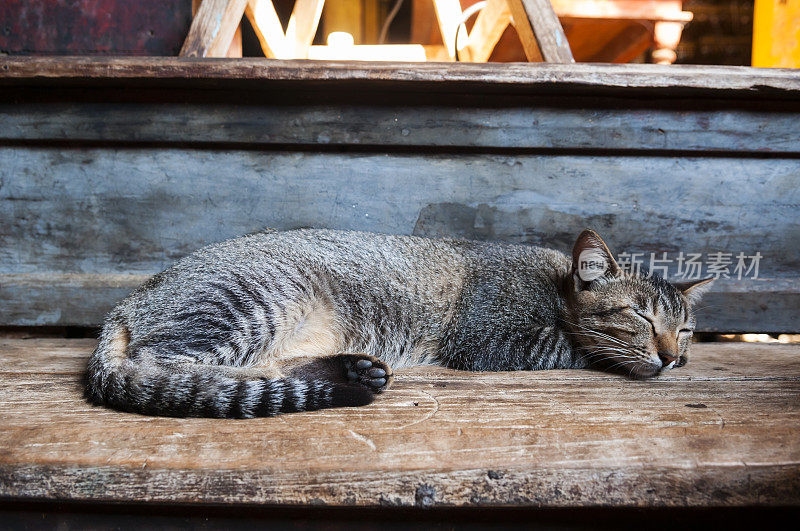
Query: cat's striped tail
145,386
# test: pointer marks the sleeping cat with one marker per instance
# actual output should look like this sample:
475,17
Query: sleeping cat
278,322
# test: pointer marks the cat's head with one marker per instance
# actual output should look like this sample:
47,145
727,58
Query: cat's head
627,322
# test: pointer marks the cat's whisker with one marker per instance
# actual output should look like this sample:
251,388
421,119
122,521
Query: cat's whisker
599,335
596,333
606,352
609,350
624,363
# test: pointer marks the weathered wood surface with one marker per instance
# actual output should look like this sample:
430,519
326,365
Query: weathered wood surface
674,81
720,432
540,31
102,184
99,214
213,28
516,125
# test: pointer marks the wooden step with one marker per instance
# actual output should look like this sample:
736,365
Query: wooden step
722,431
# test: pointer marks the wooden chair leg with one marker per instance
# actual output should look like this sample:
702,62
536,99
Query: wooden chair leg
489,27
235,49
267,27
540,31
213,28
302,27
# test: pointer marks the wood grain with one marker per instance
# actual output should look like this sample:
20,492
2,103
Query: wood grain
267,27
133,163
589,125
489,26
235,48
213,28
540,31
675,81
99,214
301,28
720,432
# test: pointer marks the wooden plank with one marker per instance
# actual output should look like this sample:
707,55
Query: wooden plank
267,27
47,355
634,79
489,27
540,31
554,439
41,299
213,28
301,28
709,362
525,32
134,211
235,48
585,125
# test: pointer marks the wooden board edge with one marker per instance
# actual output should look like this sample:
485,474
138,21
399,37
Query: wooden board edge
672,80
707,486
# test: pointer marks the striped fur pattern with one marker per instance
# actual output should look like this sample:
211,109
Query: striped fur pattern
280,322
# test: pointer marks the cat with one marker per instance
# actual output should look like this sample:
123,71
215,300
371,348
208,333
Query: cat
280,322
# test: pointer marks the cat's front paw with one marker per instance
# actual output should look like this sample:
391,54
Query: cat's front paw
369,371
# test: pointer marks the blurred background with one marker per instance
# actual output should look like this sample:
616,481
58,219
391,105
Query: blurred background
719,32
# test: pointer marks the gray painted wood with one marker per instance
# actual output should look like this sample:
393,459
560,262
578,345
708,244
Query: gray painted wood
172,154
517,126
73,212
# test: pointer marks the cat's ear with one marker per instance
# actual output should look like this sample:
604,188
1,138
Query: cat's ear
591,260
695,289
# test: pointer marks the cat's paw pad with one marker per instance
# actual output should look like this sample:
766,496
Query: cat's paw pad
369,371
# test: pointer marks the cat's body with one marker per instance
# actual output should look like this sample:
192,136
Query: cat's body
257,325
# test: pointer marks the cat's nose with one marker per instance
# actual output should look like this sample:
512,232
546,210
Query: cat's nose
667,360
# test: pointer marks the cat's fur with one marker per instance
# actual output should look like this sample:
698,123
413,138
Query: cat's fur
265,323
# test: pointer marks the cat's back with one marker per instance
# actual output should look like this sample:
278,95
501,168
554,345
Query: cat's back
350,259
412,261
426,273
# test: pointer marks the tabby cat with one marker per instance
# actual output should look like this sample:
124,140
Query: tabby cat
278,322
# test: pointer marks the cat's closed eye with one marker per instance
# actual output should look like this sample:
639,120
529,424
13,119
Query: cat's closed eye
646,318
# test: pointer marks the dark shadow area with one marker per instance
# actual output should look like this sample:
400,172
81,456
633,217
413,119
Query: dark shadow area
31,515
